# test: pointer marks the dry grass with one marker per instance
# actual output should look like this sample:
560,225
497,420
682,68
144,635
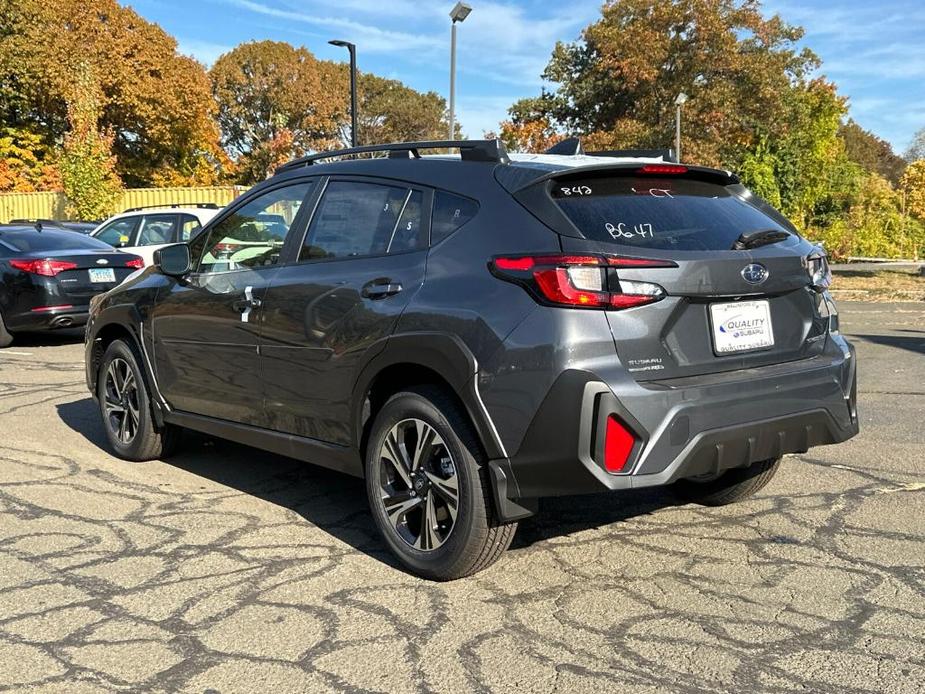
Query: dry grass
879,286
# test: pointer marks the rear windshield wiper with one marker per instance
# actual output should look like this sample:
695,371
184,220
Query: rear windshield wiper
754,239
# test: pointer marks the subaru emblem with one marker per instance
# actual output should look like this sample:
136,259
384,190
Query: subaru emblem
102,261
755,273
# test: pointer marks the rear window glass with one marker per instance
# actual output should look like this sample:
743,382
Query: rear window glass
664,213
48,241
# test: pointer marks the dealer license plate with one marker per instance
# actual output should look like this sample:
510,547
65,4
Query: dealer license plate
741,326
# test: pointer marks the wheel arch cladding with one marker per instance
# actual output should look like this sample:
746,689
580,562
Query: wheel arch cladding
105,336
122,322
416,359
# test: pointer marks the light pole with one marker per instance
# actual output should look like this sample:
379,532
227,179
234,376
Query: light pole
678,102
458,14
353,88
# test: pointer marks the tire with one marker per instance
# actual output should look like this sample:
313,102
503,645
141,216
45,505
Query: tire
126,408
731,486
423,487
6,339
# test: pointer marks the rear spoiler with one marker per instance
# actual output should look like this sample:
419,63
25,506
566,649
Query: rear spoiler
572,147
640,168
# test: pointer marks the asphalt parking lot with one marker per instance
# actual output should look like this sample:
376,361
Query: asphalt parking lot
227,569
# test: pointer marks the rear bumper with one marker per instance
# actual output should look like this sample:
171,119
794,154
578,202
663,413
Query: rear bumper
49,320
685,427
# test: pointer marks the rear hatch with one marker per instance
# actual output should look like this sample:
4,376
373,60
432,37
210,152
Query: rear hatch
739,295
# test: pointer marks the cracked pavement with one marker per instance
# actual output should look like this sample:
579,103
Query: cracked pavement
227,569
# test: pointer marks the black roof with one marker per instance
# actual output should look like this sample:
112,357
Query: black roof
467,172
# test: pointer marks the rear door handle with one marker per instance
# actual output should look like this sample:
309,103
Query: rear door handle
380,289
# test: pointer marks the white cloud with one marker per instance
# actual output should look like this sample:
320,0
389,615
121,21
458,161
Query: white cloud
506,43
372,38
871,52
512,44
393,9
203,51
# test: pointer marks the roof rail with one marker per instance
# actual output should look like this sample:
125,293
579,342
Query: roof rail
469,150
666,154
173,205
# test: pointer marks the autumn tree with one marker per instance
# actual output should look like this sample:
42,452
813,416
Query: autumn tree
530,127
874,225
155,102
87,163
871,152
389,111
618,84
275,102
27,164
804,154
912,186
916,149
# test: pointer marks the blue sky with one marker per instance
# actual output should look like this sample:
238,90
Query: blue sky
874,51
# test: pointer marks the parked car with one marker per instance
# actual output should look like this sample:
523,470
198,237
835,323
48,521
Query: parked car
142,230
48,276
473,333
80,227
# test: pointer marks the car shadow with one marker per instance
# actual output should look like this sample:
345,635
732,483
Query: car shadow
329,500
51,338
83,416
336,503
912,343
567,515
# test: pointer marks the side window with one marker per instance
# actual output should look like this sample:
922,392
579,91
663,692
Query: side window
450,213
360,219
157,229
188,228
118,233
252,235
408,233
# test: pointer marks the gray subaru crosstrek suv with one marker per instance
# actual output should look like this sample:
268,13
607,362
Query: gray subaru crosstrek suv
471,333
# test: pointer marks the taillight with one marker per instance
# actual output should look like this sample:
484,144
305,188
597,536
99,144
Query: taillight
618,445
136,263
817,265
46,268
580,281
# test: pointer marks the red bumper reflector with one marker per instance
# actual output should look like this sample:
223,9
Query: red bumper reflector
42,309
618,444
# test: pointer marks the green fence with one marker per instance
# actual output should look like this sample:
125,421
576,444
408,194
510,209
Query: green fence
51,205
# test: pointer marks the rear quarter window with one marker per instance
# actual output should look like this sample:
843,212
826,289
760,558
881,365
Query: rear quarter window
450,212
659,212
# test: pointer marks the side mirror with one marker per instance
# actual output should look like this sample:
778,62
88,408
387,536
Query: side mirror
173,260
